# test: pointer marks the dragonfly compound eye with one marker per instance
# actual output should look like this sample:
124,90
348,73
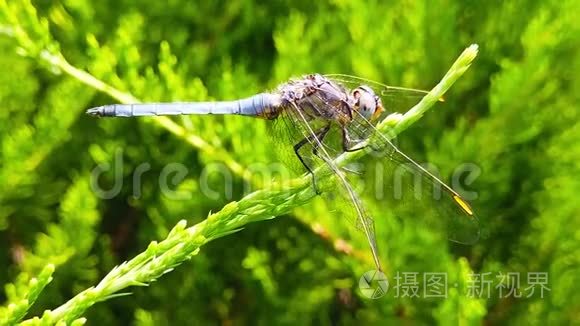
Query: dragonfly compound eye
366,101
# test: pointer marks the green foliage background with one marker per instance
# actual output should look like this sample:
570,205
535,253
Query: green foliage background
514,114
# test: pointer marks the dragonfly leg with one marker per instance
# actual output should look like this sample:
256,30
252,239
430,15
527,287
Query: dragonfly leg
346,142
318,135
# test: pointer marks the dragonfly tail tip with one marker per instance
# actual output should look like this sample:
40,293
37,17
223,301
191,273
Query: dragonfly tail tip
96,112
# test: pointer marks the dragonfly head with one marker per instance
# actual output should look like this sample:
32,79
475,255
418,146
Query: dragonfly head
367,103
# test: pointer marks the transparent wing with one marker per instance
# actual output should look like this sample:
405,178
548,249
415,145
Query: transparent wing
395,99
287,131
412,188
310,131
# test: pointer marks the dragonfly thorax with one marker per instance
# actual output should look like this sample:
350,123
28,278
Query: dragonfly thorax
316,97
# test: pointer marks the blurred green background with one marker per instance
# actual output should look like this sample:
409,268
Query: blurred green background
514,115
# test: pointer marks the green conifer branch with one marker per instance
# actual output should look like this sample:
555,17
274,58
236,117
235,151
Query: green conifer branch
18,308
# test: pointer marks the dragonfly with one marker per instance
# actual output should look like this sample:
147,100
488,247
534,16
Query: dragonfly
312,105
